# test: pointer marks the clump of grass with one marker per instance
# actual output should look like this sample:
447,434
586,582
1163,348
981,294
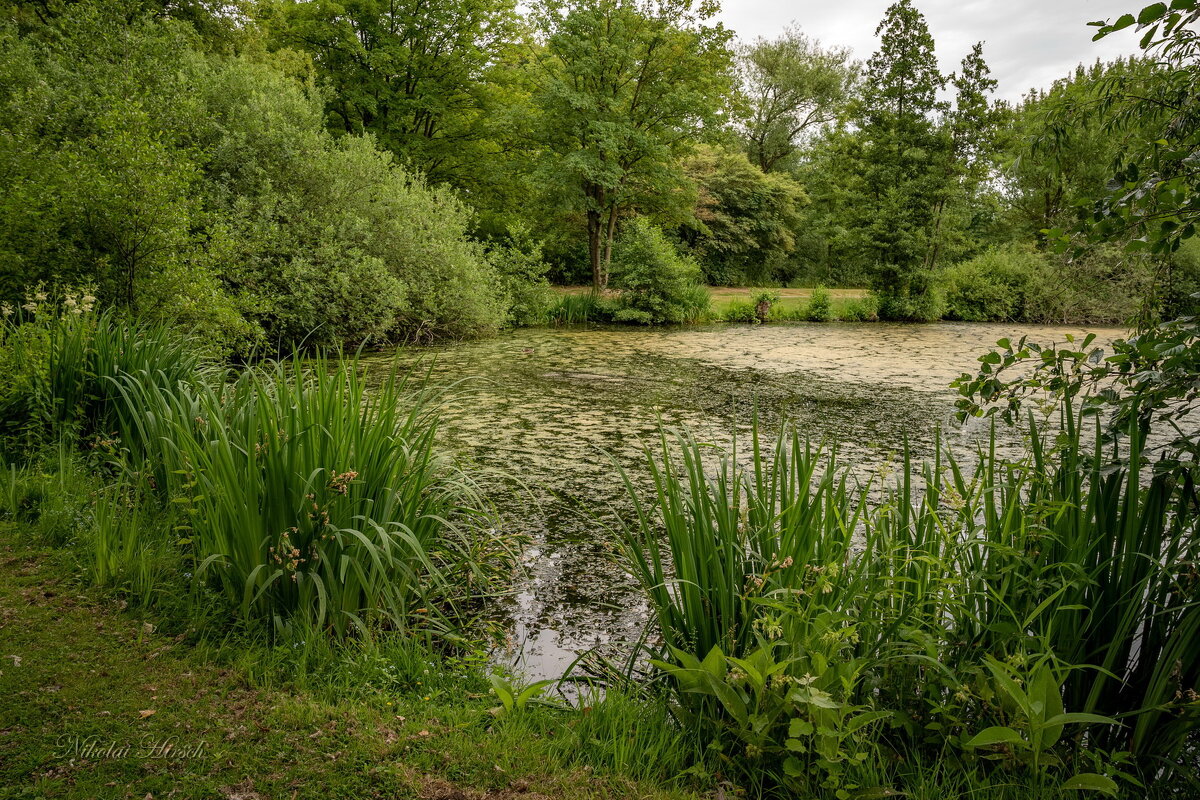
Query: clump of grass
316,500
575,309
308,498
740,311
963,605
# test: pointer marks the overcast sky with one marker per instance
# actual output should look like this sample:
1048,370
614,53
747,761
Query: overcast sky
1027,43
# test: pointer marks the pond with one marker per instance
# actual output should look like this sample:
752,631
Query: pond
553,413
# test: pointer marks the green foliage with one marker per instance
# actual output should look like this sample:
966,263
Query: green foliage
744,220
902,156
1010,610
1158,204
789,87
1060,147
515,698
1001,284
522,272
205,190
308,501
657,285
919,301
66,360
421,77
625,88
312,503
858,310
741,311
572,308
763,300
820,306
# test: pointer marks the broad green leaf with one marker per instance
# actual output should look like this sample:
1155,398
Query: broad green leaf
1090,782
993,736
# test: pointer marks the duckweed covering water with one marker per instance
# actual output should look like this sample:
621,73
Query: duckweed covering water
548,411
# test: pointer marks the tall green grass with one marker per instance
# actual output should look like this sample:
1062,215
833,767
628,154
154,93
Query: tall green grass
314,498
573,309
814,624
306,496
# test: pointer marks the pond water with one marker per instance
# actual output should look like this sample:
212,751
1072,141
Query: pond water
552,412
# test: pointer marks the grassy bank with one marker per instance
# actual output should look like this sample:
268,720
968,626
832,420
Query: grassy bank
105,701
576,304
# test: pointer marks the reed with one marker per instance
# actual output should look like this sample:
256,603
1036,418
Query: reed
573,309
316,499
939,603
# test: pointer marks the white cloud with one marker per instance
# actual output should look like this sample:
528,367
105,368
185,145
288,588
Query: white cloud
1027,43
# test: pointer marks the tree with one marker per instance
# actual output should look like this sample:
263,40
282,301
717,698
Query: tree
415,73
1061,148
901,158
1152,379
789,87
626,88
745,220
973,127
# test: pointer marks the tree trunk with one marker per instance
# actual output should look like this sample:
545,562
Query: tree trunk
593,222
609,236
935,248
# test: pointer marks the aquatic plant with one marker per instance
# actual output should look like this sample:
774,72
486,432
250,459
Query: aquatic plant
315,499
797,611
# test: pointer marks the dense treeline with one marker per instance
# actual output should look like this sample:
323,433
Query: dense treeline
280,172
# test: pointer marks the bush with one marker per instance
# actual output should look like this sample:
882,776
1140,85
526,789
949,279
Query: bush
522,272
764,300
997,286
920,301
656,284
205,190
740,311
1102,284
820,306
863,310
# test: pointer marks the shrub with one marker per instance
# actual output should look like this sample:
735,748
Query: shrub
920,301
820,306
522,272
740,311
763,300
863,310
205,190
1101,284
656,284
998,285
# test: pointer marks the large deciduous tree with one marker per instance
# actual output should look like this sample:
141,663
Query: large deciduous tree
789,87
412,72
626,88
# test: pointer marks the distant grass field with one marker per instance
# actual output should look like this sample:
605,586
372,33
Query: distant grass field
723,297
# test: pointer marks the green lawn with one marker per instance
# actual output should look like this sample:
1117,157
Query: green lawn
790,300
100,704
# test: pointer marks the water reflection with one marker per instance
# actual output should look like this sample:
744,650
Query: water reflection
555,410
